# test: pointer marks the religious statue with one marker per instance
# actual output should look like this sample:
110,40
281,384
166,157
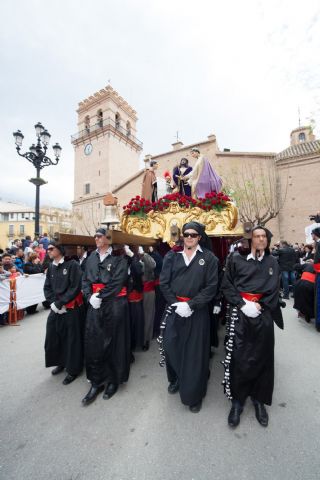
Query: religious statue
203,178
168,180
149,183
179,172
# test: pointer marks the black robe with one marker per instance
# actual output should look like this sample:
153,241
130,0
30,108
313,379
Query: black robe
317,286
252,360
135,284
304,294
187,340
160,302
64,339
107,332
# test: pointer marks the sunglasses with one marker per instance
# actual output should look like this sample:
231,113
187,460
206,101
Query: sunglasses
50,248
191,235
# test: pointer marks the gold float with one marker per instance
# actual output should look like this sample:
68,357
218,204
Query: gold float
157,224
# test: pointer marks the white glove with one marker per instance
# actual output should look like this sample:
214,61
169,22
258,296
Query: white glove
54,308
140,251
128,251
62,310
94,301
216,309
250,309
183,309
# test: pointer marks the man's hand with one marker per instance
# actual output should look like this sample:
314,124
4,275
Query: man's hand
251,309
183,309
94,301
54,308
128,252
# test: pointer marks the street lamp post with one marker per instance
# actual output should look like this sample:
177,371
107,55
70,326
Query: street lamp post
37,156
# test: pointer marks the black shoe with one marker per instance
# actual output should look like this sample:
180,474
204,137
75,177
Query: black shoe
196,408
261,413
110,391
57,370
91,395
234,416
145,347
173,387
69,378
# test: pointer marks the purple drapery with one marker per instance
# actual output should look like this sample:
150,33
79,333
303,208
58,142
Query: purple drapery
209,180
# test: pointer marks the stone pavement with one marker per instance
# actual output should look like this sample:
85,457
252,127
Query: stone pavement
143,433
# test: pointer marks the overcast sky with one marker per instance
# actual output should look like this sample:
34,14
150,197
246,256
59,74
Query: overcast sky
236,69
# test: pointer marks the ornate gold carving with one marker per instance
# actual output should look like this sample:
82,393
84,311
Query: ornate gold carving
158,224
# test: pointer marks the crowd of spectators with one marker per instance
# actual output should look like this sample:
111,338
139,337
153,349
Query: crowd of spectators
298,275
24,257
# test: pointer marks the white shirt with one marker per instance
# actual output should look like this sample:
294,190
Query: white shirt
104,255
84,256
251,257
58,263
187,260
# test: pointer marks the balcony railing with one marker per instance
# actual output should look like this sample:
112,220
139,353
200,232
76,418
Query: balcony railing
111,125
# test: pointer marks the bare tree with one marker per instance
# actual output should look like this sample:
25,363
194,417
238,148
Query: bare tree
258,191
87,218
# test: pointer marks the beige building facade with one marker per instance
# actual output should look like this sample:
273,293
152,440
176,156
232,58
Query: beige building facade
17,221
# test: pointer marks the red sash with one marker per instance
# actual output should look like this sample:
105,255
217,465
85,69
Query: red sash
96,287
148,286
157,282
76,302
252,297
135,296
183,299
316,267
309,277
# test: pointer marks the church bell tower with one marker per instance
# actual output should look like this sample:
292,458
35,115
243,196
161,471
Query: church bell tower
106,152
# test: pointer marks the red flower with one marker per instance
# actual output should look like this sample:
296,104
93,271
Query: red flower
137,197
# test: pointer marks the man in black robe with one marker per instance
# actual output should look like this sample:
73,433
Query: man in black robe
64,340
251,287
304,292
135,299
189,282
316,266
107,333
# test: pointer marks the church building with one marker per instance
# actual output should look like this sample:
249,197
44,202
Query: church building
107,160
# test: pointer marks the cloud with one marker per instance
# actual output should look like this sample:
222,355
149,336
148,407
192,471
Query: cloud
236,69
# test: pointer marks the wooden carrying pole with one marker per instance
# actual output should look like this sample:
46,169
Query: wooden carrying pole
117,238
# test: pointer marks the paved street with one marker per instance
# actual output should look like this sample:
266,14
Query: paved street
144,433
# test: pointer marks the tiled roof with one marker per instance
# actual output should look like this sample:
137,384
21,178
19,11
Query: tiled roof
304,148
10,207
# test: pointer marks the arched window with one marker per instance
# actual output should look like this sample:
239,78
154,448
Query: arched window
302,137
100,118
118,119
87,124
128,125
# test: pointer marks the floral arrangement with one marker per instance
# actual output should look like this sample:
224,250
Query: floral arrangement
140,207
